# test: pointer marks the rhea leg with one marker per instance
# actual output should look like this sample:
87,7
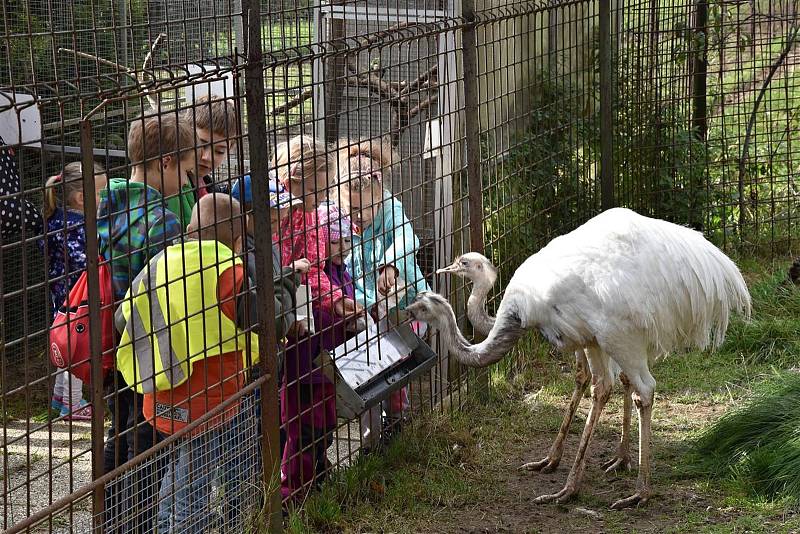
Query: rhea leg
622,458
601,392
643,398
553,458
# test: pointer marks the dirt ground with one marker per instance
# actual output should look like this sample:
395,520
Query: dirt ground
677,505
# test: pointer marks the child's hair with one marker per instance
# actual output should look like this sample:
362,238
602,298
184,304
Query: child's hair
151,138
217,217
71,181
312,156
215,114
364,163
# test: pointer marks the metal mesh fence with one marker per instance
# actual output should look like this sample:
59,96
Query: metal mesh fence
377,141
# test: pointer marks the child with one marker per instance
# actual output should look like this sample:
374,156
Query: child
301,167
216,128
383,250
66,260
203,279
285,281
281,207
309,399
133,226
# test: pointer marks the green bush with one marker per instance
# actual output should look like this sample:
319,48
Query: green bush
544,186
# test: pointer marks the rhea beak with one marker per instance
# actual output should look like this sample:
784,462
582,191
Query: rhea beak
455,268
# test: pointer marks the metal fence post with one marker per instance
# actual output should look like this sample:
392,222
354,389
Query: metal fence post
334,68
699,105
259,169
95,344
607,90
700,71
473,142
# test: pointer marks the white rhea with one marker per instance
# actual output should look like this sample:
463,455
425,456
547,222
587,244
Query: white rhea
625,289
475,267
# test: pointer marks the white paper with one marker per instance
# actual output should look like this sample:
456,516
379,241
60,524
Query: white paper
303,306
366,355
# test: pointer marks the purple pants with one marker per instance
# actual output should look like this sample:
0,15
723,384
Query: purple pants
308,412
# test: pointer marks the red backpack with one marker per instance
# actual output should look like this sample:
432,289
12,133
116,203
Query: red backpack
69,334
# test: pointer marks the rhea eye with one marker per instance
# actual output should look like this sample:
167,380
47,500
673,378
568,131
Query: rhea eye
464,263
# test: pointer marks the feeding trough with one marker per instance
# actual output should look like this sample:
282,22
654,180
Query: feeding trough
383,357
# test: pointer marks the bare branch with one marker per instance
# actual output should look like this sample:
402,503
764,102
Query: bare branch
422,106
294,102
388,90
100,60
391,31
421,79
148,59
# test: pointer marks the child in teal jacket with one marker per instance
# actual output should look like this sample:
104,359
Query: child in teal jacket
385,245
384,251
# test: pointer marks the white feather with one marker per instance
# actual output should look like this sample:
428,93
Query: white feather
622,274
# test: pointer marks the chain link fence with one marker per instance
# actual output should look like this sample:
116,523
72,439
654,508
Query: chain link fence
438,127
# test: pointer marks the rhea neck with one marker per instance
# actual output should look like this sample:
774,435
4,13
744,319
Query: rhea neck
500,340
480,319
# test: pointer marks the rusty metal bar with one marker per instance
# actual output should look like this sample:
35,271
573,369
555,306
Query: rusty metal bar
268,342
473,144
700,70
606,108
472,127
92,269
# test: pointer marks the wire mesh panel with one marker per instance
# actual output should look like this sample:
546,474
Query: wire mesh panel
704,132
540,127
159,371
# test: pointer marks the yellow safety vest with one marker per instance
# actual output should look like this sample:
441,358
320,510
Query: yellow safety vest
171,317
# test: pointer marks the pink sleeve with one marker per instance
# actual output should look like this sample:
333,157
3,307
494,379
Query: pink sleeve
309,242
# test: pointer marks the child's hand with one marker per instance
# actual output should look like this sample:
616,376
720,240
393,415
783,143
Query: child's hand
356,325
298,329
387,279
301,266
346,307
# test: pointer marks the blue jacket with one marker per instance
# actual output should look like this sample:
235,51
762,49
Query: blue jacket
66,250
389,240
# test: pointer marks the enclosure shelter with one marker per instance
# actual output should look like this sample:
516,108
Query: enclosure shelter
511,122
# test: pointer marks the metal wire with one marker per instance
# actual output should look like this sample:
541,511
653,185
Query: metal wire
490,126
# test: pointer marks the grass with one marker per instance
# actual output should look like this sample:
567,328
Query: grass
454,471
758,444
421,470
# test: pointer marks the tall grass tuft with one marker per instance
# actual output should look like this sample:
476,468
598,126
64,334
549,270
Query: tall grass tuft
759,443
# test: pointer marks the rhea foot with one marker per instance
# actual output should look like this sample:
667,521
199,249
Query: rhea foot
545,465
561,497
638,498
618,463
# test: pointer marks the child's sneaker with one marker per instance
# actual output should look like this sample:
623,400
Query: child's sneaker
81,412
57,404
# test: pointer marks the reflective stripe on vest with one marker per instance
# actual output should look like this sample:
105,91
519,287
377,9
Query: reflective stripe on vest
157,353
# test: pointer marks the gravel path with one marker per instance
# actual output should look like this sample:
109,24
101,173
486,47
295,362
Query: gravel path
48,462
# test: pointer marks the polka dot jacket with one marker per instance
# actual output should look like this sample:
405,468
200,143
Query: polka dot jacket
16,213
